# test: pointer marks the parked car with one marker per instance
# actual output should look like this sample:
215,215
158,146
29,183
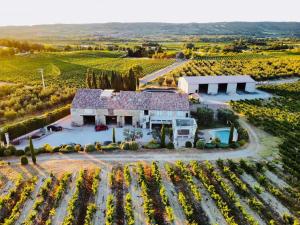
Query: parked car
54,128
101,127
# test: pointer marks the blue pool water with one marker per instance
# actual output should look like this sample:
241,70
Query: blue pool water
223,135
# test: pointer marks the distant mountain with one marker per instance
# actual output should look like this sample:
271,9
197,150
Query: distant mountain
130,30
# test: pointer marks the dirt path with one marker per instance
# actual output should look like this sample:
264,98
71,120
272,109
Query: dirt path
275,179
242,200
9,185
103,191
137,200
171,192
30,201
61,210
266,196
162,72
209,206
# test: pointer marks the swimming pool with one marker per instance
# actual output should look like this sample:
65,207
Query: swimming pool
222,134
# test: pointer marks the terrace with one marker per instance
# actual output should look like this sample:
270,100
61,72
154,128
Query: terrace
80,135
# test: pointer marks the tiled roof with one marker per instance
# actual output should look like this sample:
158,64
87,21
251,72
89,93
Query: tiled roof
218,79
131,100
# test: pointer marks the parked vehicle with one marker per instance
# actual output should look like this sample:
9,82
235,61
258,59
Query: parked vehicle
101,127
54,128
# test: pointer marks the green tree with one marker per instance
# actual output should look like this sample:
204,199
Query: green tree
163,137
32,152
131,80
205,116
114,135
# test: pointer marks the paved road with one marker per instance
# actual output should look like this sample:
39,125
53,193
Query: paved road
162,72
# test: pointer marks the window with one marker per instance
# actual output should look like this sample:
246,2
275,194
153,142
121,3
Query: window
187,115
183,132
146,112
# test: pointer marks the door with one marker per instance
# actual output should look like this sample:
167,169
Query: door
111,120
89,120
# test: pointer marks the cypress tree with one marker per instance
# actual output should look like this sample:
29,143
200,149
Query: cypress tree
32,151
113,135
163,137
132,80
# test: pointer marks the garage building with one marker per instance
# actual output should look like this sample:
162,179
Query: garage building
216,84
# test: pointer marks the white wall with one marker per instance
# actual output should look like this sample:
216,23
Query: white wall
212,89
231,88
183,85
250,87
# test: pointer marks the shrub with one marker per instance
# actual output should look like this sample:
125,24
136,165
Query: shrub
235,145
77,148
188,144
200,144
67,149
19,153
170,145
242,142
112,146
210,145
12,149
222,145
48,148
56,149
152,145
98,146
24,160
129,145
27,149
7,152
89,148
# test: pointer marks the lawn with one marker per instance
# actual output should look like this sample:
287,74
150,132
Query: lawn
70,67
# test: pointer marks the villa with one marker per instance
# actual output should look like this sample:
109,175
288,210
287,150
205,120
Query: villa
147,110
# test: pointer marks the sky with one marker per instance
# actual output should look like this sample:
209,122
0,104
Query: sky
32,12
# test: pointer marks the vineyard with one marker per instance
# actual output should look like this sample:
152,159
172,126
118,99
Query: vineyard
69,68
19,101
221,192
258,68
279,116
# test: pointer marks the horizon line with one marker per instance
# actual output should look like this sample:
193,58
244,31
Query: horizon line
136,22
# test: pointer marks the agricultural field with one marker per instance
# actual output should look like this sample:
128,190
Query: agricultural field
84,193
69,68
19,101
259,67
279,116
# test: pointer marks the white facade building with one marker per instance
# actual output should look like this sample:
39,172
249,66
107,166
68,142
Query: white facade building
146,110
216,84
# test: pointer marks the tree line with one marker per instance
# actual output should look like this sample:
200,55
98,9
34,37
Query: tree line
113,79
24,46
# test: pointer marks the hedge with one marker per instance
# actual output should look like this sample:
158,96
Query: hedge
20,128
